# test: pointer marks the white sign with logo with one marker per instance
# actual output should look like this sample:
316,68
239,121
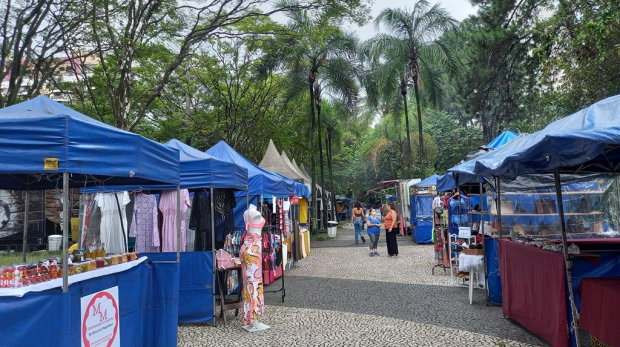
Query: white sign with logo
100,319
464,232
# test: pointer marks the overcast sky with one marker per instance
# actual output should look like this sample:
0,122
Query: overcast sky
459,9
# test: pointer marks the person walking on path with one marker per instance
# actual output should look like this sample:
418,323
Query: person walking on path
391,229
373,222
357,219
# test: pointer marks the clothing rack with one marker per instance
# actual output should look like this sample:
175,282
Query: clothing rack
268,229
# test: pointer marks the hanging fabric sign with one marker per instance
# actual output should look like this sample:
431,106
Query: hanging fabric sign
100,319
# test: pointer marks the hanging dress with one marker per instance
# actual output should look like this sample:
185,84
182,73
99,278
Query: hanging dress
251,269
144,224
111,230
168,207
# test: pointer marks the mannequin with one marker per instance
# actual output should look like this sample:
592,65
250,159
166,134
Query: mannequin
252,262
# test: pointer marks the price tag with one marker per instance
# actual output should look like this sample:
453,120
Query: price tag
464,232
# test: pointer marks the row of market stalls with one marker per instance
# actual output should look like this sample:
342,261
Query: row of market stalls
168,274
551,250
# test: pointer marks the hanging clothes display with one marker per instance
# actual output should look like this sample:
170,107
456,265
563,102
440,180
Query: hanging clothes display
200,219
168,207
113,228
144,224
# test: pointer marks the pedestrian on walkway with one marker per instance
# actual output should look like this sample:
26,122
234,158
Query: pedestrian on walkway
391,229
373,222
357,219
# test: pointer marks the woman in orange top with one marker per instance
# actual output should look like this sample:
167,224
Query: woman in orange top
391,229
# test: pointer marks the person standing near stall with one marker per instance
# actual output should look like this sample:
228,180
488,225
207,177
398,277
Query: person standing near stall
357,219
373,222
391,229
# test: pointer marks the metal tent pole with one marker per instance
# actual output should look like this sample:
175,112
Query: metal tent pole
178,223
247,196
26,212
481,230
499,205
213,267
65,232
567,261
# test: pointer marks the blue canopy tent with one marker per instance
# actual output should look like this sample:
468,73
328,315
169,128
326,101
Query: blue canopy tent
46,145
428,182
502,139
446,183
584,142
259,181
197,283
422,212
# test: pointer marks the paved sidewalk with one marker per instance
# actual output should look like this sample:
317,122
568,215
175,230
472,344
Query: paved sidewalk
339,296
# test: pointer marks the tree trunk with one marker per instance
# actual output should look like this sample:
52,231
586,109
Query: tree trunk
420,134
409,154
331,173
322,166
313,210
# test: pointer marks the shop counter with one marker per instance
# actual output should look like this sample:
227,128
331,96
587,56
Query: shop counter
145,297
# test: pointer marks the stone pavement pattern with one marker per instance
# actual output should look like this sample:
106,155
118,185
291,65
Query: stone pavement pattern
339,296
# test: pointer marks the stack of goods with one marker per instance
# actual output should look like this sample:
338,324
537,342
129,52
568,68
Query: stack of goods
24,275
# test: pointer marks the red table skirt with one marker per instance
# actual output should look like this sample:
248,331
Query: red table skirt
600,308
533,290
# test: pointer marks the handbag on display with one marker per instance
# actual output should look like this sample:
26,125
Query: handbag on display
544,206
224,260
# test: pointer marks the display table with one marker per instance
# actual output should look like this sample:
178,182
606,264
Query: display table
474,264
57,283
147,309
600,308
533,290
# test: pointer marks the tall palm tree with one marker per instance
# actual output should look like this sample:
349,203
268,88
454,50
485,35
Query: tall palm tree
412,52
336,114
321,50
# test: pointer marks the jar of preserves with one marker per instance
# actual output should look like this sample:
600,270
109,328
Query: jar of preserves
92,265
100,262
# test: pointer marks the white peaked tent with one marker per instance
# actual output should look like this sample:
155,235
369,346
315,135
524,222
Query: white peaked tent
304,178
273,162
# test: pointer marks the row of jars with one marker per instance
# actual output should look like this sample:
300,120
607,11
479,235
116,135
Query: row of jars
22,275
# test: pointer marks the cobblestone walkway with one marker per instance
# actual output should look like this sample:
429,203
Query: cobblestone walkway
339,296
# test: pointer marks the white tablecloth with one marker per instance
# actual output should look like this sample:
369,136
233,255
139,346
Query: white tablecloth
471,262
56,283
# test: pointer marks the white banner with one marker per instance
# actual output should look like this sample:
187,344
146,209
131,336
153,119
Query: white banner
100,319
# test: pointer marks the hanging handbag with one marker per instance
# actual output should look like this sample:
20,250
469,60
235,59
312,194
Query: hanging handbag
224,260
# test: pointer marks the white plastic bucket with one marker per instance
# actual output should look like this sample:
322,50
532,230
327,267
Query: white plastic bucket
332,228
54,242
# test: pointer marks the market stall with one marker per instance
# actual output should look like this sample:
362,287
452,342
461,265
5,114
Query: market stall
45,145
583,143
262,183
210,180
422,215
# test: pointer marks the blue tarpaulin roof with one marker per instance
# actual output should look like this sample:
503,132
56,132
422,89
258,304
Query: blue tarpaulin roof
301,189
446,182
590,136
199,169
41,131
428,182
502,139
259,180
465,172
